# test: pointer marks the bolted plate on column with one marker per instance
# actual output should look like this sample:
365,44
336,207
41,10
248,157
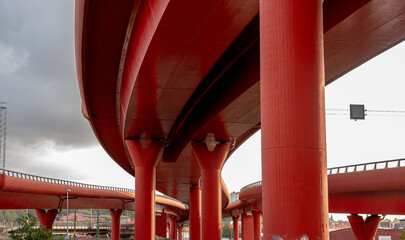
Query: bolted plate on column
357,111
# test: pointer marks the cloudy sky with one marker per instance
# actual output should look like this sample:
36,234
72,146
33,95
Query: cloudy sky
47,134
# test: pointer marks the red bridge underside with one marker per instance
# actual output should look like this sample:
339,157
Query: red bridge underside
180,69
379,191
19,193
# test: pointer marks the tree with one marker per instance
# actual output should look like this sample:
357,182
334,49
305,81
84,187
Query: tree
402,234
30,230
226,231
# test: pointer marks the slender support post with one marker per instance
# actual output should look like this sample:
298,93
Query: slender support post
247,227
364,230
195,213
173,228
46,218
211,164
74,225
115,223
98,219
145,158
67,213
235,227
294,177
257,226
161,225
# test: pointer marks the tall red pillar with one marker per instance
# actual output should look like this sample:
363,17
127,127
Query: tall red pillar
46,218
115,223
235,227
173,228
145,158
257,225
195,213
294,186
247,227
161,225
211,164
364,230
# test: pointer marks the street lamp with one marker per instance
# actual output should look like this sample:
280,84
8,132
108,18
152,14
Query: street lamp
67,213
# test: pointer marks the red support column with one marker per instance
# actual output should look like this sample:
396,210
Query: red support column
115,223
173,228
180,232
211,164
195,213
364,230
235,227
294,186
145,157
247,227
46,218
257,226
161,225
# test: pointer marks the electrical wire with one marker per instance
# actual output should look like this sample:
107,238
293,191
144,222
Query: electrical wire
376,113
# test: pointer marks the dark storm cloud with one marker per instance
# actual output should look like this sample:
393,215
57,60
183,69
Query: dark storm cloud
38,79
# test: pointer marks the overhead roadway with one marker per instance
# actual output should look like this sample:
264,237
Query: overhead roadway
178,70
378,191
23,191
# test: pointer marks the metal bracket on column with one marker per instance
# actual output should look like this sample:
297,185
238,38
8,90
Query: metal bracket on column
211,142
145,140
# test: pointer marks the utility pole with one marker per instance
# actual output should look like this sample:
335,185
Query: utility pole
67,213
98,214
74,225
3,124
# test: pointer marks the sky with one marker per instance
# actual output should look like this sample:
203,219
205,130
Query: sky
48,136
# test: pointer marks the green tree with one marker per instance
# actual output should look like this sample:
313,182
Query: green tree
29,229
226,231
402,234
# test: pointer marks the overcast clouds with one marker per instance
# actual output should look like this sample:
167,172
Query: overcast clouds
38,81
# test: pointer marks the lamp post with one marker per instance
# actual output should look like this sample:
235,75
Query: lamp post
67,213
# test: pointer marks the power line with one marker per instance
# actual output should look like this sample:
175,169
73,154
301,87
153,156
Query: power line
369,112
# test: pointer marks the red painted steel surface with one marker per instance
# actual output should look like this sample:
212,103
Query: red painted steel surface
173,228
372,180
178,70
26,186
115,223
347,234
46,218
100,28
145,159
380,191
235,220
294,181
154,65
195,213
18,193
211,164
364,229
160,227
247,226
257,225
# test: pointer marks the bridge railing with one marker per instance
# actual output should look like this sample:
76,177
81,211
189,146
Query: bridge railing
368,166
60,181
353,168
70,183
